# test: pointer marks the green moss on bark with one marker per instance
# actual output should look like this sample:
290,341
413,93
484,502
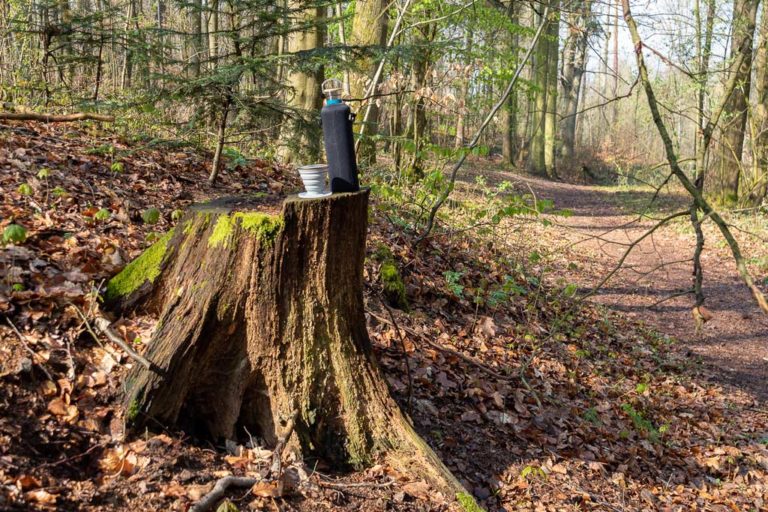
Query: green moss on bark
144,268
264,227
222,232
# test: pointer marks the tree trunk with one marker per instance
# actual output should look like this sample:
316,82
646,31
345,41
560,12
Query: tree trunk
300,137
756,192
574,55
417,116
509,114
541,55
213,33
550,117
463,95
262,321
220,140
196,27
369,29
728,162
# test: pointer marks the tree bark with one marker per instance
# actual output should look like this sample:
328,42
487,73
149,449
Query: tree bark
369,29
509,117
300,138
550,116
728,162
196,27
756,193
536,156
574,56
220,140
262,321
459,140
55,118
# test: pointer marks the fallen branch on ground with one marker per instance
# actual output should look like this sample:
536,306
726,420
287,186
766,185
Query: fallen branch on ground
103,326
209,500
55,118
217,493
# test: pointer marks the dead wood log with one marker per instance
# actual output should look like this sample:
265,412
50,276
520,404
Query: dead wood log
262,324
55,118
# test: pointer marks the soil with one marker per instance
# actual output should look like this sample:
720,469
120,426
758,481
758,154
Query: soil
732,345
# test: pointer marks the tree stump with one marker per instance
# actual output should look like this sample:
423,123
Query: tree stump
262,323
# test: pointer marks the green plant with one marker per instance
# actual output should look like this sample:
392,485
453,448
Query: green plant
44,173
591,416
102,215
13,233
641,423
59,192
102,150
501,294
18,287
150,216
116,167
391,280
533,472
234,158
452,281
176,215
26,189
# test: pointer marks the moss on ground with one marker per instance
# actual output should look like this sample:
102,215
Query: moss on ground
468,503
133,411
144,268
391,280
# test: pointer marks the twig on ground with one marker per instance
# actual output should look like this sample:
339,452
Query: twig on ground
26,346
104,326
209,500
342,485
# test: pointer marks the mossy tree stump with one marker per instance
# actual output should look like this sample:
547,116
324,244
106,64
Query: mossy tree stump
262,321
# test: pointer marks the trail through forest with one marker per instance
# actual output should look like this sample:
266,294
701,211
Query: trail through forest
604,222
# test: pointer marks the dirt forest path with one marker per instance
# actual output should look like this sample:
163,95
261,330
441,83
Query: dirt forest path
733,344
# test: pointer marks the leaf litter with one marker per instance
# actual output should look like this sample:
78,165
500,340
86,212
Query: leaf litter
535,403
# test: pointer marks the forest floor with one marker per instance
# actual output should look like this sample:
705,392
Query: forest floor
534,401
589,244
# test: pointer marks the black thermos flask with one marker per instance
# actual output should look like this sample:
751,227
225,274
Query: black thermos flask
337,120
